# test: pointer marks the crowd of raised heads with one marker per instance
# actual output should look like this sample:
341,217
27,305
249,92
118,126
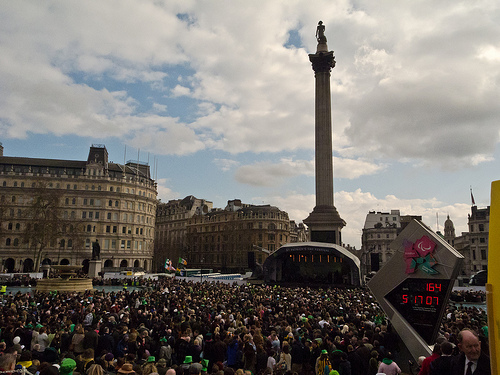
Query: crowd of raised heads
181,327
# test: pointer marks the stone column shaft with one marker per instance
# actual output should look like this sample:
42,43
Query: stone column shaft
323,141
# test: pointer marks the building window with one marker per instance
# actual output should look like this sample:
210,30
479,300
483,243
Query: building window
115,229
122,244
108,228
7,242
483,254
109,215
481,227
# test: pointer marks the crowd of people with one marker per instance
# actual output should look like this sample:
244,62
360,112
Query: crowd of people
180,327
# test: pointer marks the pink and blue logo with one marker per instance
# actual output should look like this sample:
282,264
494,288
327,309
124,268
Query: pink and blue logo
419,255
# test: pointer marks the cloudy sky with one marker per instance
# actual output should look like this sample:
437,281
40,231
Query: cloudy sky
218,96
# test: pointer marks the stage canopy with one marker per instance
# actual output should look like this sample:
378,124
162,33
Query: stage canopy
312,263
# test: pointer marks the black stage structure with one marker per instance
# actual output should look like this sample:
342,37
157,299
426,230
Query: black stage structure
312,263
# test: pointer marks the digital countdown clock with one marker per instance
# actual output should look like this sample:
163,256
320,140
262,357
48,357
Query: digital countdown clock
413,287
420,302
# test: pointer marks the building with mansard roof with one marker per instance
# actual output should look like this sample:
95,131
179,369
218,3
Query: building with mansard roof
113,204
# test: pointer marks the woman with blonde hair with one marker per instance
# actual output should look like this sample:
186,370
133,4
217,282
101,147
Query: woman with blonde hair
149,368
95,369
77,340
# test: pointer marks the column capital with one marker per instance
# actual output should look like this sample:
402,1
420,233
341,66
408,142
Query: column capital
322,62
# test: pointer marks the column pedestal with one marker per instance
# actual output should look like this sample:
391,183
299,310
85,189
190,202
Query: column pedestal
95,267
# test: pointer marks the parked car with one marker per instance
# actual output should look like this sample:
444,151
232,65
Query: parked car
480,278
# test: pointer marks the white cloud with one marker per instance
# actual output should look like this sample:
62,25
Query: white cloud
159,108
402,87
181,91
274,174
164,192
354,206
225,164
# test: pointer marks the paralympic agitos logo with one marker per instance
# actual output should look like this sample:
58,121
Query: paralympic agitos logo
419,255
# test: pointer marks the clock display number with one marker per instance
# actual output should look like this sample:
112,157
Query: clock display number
421,302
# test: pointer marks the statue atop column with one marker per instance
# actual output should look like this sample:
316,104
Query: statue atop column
320,33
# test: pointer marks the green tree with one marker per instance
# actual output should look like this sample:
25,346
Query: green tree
45,223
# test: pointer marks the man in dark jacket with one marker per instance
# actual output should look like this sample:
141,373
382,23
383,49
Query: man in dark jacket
470,361
297,355
442,365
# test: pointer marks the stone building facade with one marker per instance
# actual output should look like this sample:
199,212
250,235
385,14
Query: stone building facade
113,204
237,237
473,245
171,228
380,229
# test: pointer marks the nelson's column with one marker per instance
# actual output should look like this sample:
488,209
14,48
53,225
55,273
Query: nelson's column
324,221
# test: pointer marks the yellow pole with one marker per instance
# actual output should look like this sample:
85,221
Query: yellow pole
493,285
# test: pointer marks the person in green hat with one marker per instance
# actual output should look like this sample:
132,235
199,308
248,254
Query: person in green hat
323,365
67,366
187,363
204,366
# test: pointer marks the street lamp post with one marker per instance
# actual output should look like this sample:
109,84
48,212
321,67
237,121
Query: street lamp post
201,270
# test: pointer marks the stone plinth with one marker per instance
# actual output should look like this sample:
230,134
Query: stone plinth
95,267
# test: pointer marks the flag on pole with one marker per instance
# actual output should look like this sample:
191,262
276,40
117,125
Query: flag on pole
183,261
472,197
168,265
